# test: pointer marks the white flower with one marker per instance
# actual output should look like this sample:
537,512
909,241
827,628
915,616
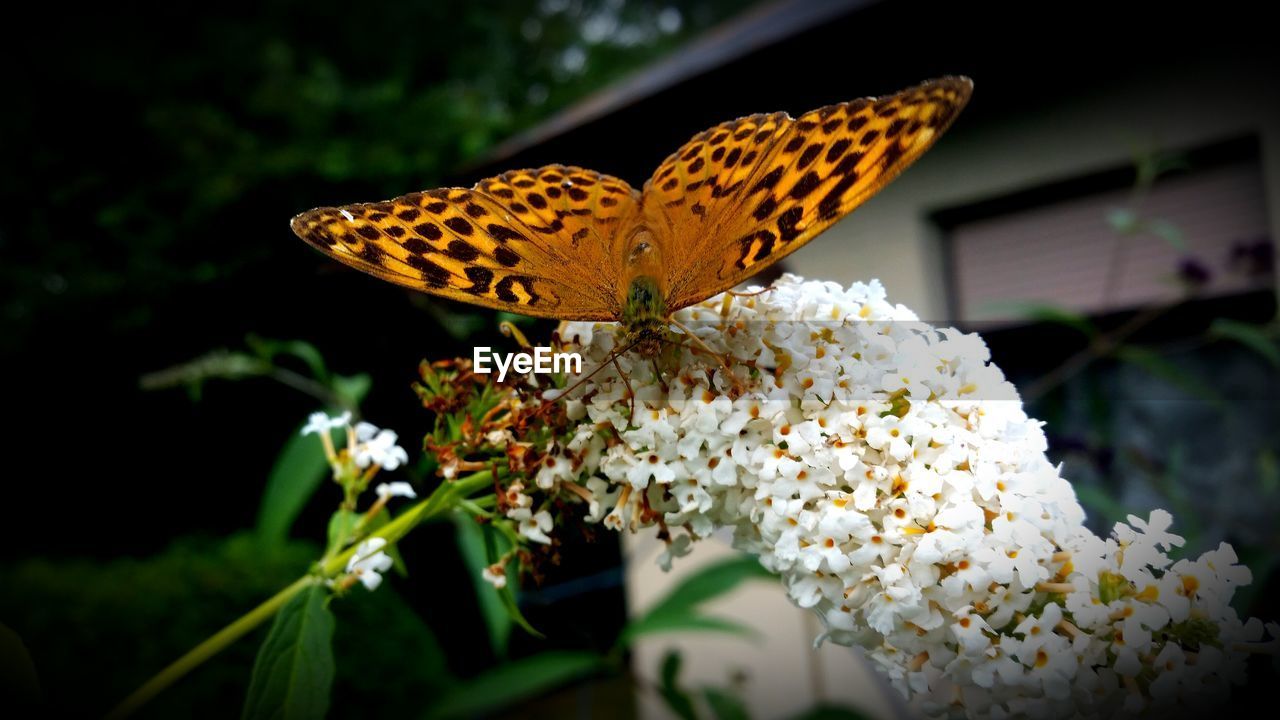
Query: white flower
319,422
516,498
533,526
369,562
679,546
386,491
378,447
495,575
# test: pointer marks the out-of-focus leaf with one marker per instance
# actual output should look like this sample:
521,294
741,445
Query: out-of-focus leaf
459,324
297,473
1059,316
512,682
669,687
1169,232
509,604
351,389
709,582
342,525
217,364
1097,500
19,682
269,349
682,622
293,674
1268,471
1160,367
504,316
1123,220
383,678
724,705
679,609
1251,336
471,543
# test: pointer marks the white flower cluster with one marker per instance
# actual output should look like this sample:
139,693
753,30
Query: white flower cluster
887,471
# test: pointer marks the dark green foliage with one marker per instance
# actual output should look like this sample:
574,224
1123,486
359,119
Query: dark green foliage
96,630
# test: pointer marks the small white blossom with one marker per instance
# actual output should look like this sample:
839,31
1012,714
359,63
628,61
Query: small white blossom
495,575
319,422
378,447
369,562
534,526
386,491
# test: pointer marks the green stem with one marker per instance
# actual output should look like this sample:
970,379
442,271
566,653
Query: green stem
441,500
207,649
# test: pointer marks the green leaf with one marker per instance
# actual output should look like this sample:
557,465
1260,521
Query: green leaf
1251,336
682,622
342,526
351,389
19,682
1268,472
675,696
269,349
471,543
1122,220
1059,316
459,325
297,473
710,582
1169,232
678,611
1160,367
513,610
724,705
1095,499
512,682
514,319
293,674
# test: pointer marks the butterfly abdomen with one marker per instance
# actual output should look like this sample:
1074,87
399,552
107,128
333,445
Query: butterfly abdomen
644,314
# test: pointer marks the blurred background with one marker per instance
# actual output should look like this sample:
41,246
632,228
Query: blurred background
1104,212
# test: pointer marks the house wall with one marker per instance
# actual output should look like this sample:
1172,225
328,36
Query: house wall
891,239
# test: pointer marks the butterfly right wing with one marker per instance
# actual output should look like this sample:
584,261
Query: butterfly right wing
743,195
533,242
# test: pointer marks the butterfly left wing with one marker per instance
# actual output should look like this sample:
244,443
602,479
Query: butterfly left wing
533,242
743,195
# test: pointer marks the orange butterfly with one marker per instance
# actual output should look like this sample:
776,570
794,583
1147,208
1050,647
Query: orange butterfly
573,244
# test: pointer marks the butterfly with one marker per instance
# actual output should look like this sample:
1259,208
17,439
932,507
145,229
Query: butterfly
574,244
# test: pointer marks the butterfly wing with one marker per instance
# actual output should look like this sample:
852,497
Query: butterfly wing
534,242
743,195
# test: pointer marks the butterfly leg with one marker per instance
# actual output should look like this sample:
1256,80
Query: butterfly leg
631,394
657,373
738,385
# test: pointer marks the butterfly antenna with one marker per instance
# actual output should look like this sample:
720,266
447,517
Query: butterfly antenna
752,293
613,358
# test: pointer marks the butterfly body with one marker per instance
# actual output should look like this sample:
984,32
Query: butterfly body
573,244
645,316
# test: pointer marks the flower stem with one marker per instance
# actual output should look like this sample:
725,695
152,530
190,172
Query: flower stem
442,499
207,649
